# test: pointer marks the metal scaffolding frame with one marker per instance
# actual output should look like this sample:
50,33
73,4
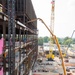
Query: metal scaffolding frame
11,36
26,51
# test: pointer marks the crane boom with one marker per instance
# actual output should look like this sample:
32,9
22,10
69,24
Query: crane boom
52,15
51,55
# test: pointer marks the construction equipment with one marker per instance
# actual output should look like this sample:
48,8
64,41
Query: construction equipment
50,56
56,41
52,15
27,53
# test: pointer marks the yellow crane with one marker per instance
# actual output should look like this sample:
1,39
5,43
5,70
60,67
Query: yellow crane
50,56
52,16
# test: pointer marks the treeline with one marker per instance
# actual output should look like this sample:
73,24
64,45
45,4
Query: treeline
62,41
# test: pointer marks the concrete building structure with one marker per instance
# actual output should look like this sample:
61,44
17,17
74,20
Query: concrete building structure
20,57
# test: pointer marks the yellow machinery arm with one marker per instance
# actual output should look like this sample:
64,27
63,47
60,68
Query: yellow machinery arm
56,41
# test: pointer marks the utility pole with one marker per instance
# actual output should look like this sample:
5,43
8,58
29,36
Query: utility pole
11,36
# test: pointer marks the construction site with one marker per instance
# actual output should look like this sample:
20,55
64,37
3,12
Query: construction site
19,50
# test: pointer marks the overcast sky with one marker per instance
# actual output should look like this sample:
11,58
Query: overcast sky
64,16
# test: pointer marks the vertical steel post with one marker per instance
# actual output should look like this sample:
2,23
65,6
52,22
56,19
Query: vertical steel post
9,36
13,36
20,51
11,31
4,59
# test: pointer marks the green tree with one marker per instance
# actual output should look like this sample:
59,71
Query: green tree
46,39
67,41
60,40
73,40
40,41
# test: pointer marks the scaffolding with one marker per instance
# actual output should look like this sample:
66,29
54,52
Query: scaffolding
20,39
